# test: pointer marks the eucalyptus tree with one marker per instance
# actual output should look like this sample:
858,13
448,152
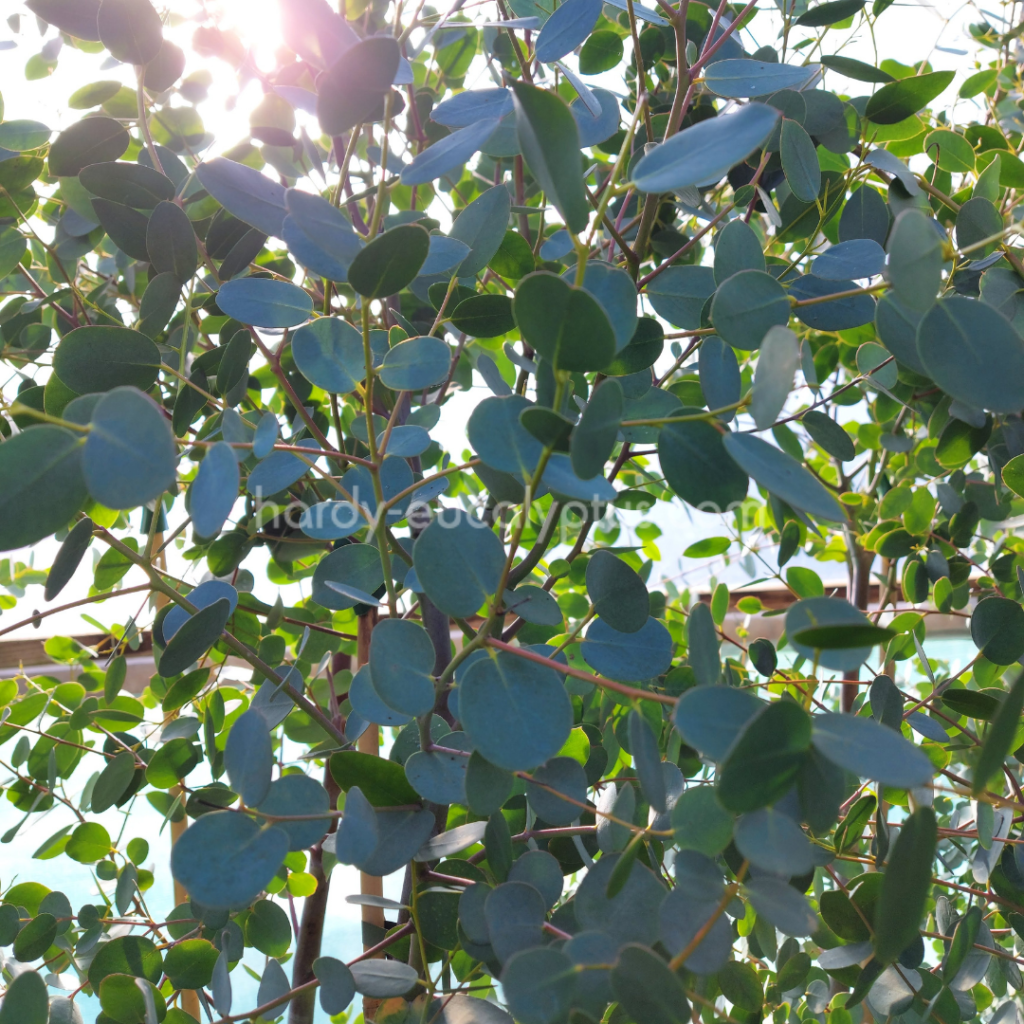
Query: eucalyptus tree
696,255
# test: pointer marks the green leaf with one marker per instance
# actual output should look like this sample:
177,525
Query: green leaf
484,316
194,638
851,828
126,227
248,755
132,184
962,946
601,52
978,220
871,750
698,468
843,637
35,938
43,487
100,358
855,69
89,843
618,594
382,781
828,14
244,192
329,354
130,29
595,435
741,986
92,141
268,929
905,886
737,248
113,781
997,629
390,262
550,142
482,226
564,324
898,100
172,242
766,758
26,1001
23,136
352,90
773,378
189,963
337,986
950,151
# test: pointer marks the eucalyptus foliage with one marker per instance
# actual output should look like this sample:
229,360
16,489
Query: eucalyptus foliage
710,280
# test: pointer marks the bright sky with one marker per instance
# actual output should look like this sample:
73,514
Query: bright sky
909,31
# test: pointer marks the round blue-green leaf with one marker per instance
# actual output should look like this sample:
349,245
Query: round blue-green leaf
628,657
856,258
648,989
564,775
263,302
194,638
400,835
224,860
337,986
710,718
265,437
390,262
596,127
473,105
747,306
539,985
331,520
736,248
973,354
698,468
704,152
329,354
416,364
458,562
517,713
129,456
23,136
631,915
499,438
367,702
564,324
214,490
357,834
515,913
249,757
541,870
596,432
401,660
278,471
871,750
896,325
481,225
562,479
296,794
837,315
773,841
43,484
781,474
783,905
915,259
383,979
100,358
865,216
799,160
318,232
408,441
617,592
357,565
616,294
438,776
700,823
679,293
